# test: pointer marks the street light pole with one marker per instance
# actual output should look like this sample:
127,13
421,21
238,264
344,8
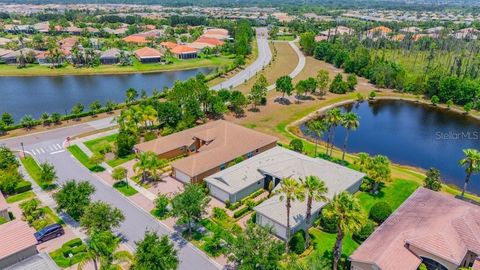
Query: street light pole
23,149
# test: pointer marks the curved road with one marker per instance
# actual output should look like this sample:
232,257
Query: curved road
264,57
300,64
48,145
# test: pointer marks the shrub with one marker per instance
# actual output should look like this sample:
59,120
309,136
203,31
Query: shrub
241,212
422,267
161,204
23,186
296,145
364,232
328,224
104,147
236,229
219,213
367,184
432,180
227,203
73,243
150,136
372,95
234,206
380,212
297,242
253,218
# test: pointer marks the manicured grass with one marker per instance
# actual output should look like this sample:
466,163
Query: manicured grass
394,193
51,216
285,37
20,197
84,159
95,146
123,188
36,70
323,246
35,172
72,252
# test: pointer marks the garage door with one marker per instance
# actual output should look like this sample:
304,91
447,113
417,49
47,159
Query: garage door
182,177
218,193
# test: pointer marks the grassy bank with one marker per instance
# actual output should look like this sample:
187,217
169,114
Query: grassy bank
84,159
137,67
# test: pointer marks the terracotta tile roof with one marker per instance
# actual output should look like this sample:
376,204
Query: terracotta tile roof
147,52
68,42
200,45
183,49
435,223
217,31
136,39
212,41
15,236
168,44
227,141
381,29
3,202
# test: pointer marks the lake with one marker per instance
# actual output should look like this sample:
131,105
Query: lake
35,95
414,134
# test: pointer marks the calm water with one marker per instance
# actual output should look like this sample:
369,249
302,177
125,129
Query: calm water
413,134
35,95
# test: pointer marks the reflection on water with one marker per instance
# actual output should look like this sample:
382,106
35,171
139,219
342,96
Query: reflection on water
35,95
414,134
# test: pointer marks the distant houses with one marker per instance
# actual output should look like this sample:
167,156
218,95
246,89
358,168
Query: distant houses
110,56
148,55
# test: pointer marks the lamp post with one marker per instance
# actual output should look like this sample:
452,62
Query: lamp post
23,149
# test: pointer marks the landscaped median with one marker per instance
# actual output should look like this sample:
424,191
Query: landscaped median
35,172
84,159
104,146
125,188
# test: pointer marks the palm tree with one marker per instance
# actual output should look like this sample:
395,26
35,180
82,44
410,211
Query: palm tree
290,190
318,128
346,209
144,164
316,190
148,115
334,119
156,164
471,163
101,248
350,122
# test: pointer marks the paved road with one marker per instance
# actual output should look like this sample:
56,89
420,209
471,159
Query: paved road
264,57
49,146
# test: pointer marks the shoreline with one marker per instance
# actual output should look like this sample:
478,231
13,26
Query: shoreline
112,73
413,169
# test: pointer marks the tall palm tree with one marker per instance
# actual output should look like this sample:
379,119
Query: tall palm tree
290,190
471,163
156,164
148,115
318,128
334,118
315,190
350,122
348,212
100,247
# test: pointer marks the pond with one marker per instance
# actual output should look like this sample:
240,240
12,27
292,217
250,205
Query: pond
35,95
414,134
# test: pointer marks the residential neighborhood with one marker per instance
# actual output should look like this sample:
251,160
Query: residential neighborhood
252,135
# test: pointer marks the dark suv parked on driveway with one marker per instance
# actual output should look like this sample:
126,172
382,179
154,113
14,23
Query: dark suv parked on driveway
49,232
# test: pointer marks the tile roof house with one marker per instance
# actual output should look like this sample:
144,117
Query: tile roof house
17,243
110,56
184,52
148,55
437,229
138,39
212,41
210,147
41,261
379,32
272,166
3,208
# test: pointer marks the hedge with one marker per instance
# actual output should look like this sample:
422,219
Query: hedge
364,232
234,206
23,186
297,242
75,247
241,212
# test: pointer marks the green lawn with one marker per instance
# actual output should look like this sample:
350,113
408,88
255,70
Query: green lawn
20,197
34,171
72,252
95,146
36,69
323,245
51,216
285,37
123,188
84,159
394,193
